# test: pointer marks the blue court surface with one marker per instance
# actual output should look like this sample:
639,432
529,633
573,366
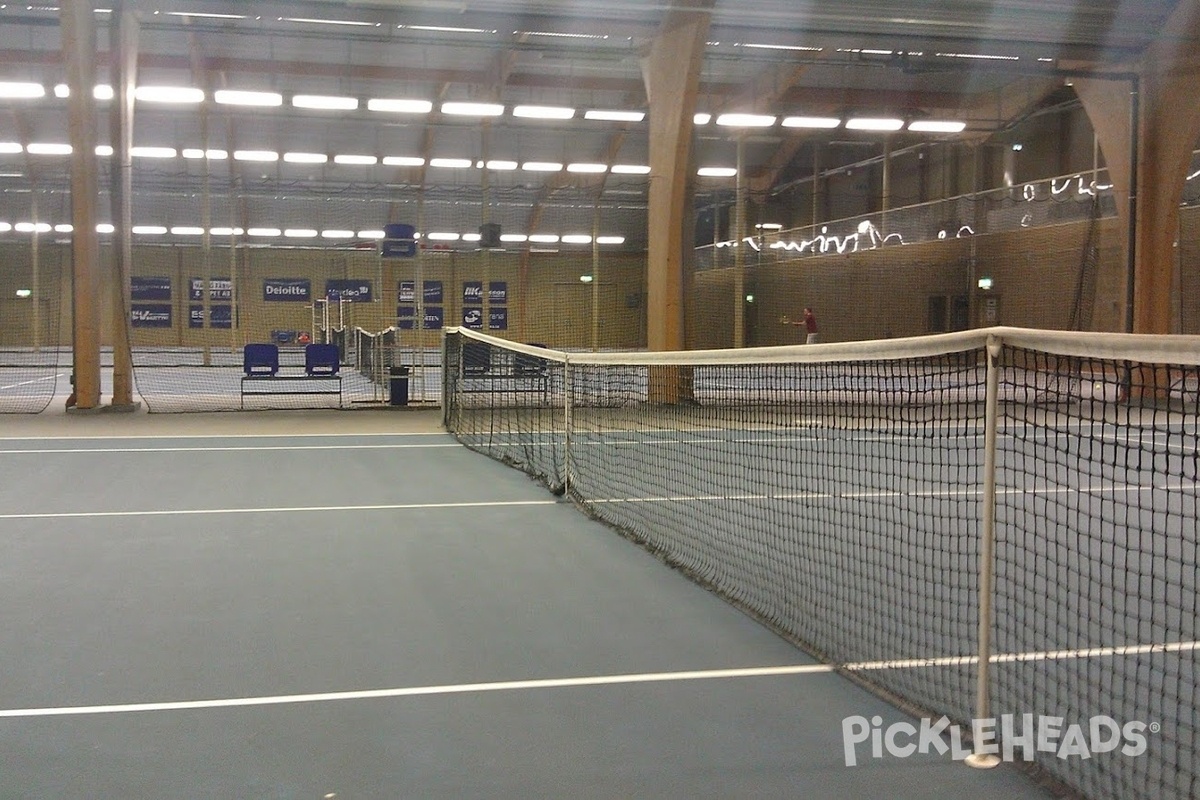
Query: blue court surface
318,605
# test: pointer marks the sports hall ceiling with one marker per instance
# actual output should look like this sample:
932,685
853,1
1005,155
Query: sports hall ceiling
980,62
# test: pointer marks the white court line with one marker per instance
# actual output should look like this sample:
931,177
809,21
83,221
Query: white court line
598,680
422,691
35,380
279,510
251,448
221,436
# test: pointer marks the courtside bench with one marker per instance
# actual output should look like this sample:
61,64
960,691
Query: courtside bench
261,374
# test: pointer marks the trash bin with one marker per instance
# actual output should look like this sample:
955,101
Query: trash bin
398,386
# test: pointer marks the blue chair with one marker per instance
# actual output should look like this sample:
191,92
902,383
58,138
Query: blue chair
260,360
322,360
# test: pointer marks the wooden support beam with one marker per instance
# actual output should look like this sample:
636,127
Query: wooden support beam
79,53
671,69
123,31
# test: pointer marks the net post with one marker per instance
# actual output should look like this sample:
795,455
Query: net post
446,398
981,759
567,423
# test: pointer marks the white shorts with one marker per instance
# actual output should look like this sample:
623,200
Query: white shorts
813,338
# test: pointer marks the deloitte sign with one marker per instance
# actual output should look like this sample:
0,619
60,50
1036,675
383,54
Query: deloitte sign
287,289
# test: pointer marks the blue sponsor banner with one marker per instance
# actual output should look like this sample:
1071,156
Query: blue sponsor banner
218,289
220,317
473,318
433,291
434,318
498,293
153,288
497,319
296,290
406,317
407,292
150,315
472,293
352,291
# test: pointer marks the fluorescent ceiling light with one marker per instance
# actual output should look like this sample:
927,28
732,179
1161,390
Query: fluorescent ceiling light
500,165
203,14
214,155
16,90
103,91
769,226
702,119
473,109
443,237
230,97
513,237
543,112
356,160
152,152
811,122
471,237
566,35
874,124
325,102
255,155
614,116
399,106
781,47
11,148
226,231
149,230
305,158
104,150
544,238
5,227
31,227
716,172
610,240
445,29
168,94
105,227
186,230
746,120
630,169
48,149
264,232
336,234
314,21
452,163
64,227
587,168
576,238
370,234
299,233
542,166
981,56
403,161
937,126
62,91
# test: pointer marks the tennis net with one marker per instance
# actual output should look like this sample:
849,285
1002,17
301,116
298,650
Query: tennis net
980,524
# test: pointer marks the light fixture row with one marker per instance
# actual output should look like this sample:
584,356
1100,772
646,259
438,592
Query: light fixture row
185,95
346,159
311,233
